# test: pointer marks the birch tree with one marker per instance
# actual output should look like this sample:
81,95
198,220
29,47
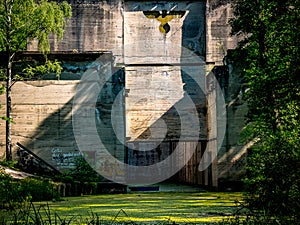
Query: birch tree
21,22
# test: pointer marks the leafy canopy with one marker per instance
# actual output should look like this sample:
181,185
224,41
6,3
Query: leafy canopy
22,21
269,55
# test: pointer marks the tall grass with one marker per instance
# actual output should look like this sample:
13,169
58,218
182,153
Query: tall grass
29,214
244,215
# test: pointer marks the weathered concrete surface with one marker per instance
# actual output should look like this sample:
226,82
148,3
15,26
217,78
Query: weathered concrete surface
145,44
161,75
42,112
94,26
218,39
233,154
154,81
102,25
151,92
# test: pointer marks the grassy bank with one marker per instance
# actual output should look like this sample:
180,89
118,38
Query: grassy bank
154,208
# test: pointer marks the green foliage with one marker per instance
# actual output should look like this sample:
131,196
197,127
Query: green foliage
13,192
8,191
2,89
28,214
273,175
9,164
23,21
37,190
271,66
48,67
136,208
83,172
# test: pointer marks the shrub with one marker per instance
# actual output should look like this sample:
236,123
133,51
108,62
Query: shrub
38,190
9,191
83,172
13,192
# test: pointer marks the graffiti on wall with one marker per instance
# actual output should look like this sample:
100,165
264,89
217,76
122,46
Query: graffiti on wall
65,160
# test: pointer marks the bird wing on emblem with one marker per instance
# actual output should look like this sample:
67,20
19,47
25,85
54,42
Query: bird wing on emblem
151,14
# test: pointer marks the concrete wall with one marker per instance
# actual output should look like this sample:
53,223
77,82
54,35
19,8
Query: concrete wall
94,26
157,69
42,110
100,25
160,80
233,154
218,39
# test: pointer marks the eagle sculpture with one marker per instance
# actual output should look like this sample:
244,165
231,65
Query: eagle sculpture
164,17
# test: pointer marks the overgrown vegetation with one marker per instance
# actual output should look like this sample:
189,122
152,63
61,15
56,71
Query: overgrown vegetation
134,208
10,164
270,54
82,172
21,22
83,179
14,192
29,214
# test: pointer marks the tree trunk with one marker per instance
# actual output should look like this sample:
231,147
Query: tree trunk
8,81
8,110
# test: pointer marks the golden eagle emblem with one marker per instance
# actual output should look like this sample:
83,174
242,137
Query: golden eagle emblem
164,17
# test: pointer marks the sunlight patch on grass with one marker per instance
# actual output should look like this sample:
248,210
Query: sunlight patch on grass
178,207
216,204
195,220
106,205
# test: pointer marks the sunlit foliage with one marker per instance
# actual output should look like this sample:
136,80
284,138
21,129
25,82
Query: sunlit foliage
270,54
